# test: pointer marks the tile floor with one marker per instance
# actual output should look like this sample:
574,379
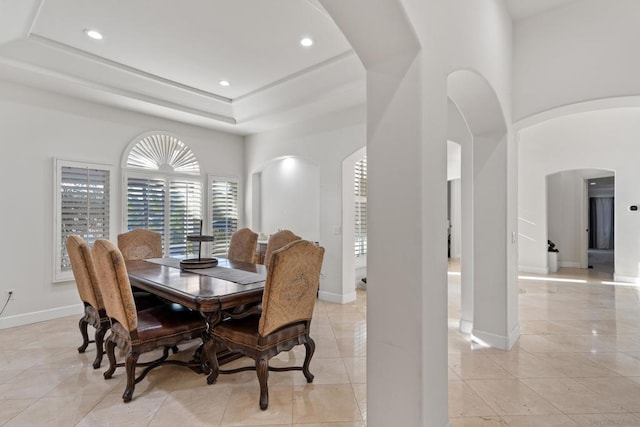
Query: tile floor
577,363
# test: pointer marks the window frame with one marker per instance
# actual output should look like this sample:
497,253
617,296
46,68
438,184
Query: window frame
58,164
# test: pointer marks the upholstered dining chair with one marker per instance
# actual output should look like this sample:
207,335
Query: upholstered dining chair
276,241
287,308
243,245
136,332
140,244
84,273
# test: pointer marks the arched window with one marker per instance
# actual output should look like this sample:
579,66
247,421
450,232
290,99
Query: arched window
164,193
164,153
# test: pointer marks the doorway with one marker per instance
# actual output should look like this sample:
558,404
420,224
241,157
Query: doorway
601,214
580,218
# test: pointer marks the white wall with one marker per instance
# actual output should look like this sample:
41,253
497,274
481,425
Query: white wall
290,198
584,50
605,139
325,142
38,126
565,211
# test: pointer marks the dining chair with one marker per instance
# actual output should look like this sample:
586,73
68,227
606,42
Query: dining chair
84,273
287,308
140,244
243,245
136,332
277,241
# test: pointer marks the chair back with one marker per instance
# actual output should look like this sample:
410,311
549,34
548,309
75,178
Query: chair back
114,284
292,285
277,241
84,271
140,244
243,245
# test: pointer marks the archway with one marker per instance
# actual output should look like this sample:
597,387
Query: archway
488,284
580,219
597,135
352,268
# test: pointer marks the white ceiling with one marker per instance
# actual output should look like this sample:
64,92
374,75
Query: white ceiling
166,57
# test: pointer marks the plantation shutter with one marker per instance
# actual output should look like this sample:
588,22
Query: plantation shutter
84,206
146,204
360,192
224,214
185,214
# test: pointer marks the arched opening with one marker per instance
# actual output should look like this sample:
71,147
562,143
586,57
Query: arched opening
488,296
354,259
581,220
579,139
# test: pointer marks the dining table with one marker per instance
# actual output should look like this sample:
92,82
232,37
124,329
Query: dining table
227,289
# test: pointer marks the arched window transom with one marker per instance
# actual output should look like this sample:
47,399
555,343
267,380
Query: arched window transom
163,153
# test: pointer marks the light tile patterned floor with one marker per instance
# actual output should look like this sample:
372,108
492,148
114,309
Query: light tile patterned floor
577,363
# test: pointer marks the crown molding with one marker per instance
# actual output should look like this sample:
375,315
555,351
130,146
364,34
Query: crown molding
124,68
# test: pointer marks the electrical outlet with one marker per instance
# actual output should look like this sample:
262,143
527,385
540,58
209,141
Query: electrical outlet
11,294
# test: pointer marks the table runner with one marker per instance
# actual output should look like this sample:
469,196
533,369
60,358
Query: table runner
225,273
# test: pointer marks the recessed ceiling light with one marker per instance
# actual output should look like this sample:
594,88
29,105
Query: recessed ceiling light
306,42
224,83
94,34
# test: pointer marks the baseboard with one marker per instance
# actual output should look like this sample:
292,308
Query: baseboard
535,270
337,298
569,264
466,326
514,336
497,341
626,279
40,316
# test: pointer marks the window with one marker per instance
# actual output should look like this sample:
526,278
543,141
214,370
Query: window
164,191
360,192
185,216
224,213
82,206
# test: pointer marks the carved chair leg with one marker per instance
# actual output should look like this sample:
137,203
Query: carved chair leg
111,355
85,336
102,329
262,369
130,366
310,346
209,351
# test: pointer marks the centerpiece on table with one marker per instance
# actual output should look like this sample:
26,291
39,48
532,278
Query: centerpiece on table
191,263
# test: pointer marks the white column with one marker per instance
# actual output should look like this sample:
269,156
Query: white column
406,267
491,293
467,254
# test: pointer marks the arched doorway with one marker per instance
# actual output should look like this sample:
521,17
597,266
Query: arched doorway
489,301
580,219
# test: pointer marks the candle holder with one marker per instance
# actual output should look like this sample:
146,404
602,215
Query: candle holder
191,263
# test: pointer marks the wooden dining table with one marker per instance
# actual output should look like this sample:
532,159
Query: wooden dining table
216,292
